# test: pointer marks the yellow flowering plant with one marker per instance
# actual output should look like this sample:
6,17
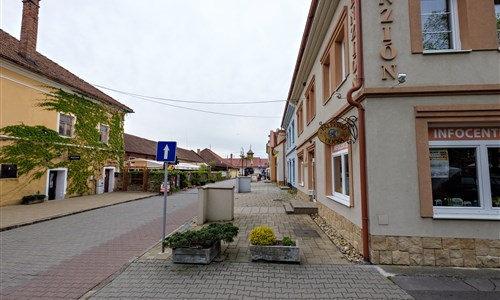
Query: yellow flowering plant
262,236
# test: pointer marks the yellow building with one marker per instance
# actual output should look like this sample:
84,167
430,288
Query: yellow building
59,136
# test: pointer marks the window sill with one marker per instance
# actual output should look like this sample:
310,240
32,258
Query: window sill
341,199
461,214
447,51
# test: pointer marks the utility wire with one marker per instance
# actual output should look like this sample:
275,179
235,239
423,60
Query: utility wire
186,101
205,111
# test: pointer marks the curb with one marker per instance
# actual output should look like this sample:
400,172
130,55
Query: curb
10,227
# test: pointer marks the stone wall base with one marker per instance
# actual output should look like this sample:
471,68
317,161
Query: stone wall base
434,251
302,196
349,231
418,251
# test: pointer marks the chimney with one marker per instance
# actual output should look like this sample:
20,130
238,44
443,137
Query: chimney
231,161
198,151
29,29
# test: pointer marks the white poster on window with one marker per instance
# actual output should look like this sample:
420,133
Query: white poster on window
440,164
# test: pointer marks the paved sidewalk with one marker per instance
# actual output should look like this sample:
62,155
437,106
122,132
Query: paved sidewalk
322,274
13,216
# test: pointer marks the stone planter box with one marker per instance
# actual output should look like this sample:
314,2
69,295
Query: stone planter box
196,256
276,253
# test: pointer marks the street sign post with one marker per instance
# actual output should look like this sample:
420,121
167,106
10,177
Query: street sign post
165,152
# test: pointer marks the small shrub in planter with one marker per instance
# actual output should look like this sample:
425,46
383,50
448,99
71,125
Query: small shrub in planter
265,246
31,199
200,246
262,236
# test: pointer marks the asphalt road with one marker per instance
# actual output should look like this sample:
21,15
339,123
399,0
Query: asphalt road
66,257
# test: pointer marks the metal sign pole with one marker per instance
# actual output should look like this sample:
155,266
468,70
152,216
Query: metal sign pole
165,186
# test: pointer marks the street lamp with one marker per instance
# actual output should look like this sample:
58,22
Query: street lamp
249,156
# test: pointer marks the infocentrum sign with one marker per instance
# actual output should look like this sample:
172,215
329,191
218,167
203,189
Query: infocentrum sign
464,133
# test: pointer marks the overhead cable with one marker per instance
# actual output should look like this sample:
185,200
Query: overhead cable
188,101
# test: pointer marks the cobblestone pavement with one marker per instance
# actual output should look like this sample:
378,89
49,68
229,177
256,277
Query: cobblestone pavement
160,279
322,274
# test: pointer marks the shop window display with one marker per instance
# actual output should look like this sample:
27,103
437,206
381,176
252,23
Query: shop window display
465,179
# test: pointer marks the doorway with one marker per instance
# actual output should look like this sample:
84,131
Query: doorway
109,179
56,183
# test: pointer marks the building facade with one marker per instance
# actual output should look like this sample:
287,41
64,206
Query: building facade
397,110
289,121
59,136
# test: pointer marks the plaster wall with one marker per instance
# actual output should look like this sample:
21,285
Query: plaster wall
393,190
430,69
19,95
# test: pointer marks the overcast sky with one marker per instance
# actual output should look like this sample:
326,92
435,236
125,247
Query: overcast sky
191,50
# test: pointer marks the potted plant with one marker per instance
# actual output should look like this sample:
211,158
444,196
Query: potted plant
265,246
32,199
200,246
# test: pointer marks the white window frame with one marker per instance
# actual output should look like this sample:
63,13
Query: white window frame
486,211
341,198
72,125
344,67
99,129
455,30
302,172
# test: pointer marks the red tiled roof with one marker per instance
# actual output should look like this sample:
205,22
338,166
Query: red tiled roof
188,156
9,50
256,162
210,156
135,144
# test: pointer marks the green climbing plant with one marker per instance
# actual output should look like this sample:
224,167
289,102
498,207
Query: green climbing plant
36,148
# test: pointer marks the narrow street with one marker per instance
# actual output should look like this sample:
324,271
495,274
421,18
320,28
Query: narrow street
66,257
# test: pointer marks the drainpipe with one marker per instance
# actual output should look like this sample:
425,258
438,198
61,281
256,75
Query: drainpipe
361,129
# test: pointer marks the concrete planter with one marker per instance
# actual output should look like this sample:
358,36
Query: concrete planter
276,253
196,256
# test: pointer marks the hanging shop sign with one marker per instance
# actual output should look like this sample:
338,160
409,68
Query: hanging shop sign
338,131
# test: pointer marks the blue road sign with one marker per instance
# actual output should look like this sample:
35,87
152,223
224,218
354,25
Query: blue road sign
166,151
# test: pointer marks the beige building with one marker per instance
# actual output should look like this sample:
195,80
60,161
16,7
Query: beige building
397,112
59,136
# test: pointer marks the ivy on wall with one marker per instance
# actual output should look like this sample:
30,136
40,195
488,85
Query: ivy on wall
37,148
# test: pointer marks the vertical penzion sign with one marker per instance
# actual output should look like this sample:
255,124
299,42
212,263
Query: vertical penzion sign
165,152
387,52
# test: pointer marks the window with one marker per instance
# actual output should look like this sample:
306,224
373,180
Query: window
8,171
103,133
300,119
438,26
497,14
311,168
292,134
439,30
340,177
300,175
66,125
465,172
311,101
334,59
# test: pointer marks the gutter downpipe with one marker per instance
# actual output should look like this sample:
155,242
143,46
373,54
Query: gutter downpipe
361,129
